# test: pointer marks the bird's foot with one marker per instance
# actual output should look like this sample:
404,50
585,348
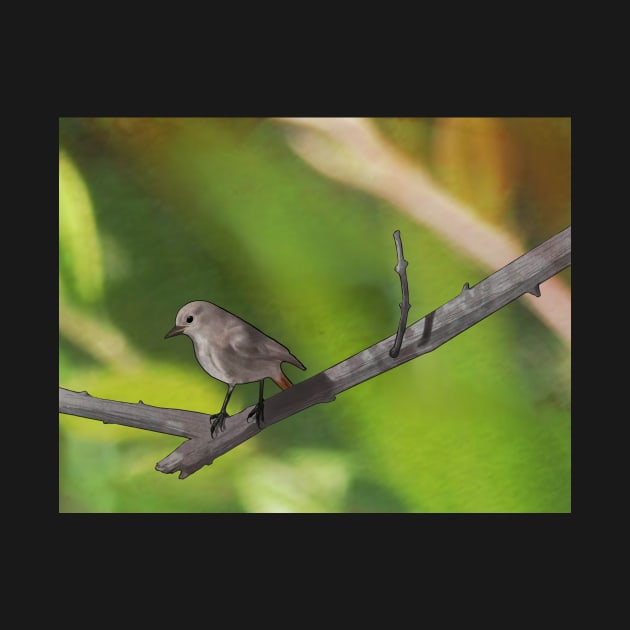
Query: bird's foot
259,412
217,421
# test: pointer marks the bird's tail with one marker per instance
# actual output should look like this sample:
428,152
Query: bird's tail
282,381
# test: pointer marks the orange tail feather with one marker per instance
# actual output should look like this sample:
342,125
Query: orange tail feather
283,382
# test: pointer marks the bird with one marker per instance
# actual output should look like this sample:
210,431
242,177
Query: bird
233,351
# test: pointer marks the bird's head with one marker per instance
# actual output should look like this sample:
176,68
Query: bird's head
190,318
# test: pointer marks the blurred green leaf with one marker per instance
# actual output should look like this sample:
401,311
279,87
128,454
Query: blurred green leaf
79,246
302,481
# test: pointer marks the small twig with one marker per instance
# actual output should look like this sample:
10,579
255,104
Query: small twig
401,270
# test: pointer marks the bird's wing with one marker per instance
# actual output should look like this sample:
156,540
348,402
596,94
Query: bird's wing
251,343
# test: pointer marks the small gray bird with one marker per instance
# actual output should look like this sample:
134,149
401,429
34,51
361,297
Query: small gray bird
232,351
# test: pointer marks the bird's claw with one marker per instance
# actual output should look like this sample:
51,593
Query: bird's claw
217,421
259,412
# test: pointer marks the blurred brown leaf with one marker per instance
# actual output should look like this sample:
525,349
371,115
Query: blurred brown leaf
544,146
475,160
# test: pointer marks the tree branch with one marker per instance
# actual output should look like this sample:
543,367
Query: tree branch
523,275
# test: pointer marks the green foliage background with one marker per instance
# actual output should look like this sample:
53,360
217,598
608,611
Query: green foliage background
154,213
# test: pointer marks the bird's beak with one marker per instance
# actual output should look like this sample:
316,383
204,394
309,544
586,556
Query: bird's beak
176,330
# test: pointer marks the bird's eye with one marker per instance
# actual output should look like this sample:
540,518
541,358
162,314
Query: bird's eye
189,319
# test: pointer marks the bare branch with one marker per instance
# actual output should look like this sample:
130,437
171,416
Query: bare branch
188,424
353,151
401,270
523,275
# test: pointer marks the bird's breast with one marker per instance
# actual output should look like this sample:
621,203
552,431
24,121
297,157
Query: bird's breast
211,359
